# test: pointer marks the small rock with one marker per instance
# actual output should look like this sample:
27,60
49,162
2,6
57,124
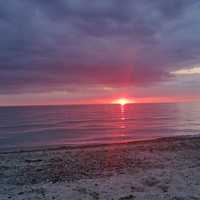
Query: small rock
151,181
127,197
20,193
164,188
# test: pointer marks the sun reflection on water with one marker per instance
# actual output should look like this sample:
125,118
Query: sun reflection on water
122,120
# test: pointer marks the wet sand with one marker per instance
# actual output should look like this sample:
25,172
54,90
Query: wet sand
150,170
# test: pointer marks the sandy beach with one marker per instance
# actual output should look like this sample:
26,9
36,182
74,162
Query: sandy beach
167,169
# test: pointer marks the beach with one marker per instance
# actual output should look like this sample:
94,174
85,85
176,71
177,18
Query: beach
99,100
167,168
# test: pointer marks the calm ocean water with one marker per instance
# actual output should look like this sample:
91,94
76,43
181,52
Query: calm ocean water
94,124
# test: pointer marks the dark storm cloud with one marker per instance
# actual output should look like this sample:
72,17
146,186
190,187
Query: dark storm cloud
49,45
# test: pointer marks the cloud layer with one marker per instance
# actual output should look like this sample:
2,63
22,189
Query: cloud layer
48,45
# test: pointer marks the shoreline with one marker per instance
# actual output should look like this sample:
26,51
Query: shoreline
7,150
166,169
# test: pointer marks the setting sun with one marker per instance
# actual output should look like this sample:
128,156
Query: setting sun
122,101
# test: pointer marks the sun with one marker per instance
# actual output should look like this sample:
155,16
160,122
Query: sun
122,101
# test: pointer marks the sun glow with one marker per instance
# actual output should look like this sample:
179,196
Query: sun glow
122,101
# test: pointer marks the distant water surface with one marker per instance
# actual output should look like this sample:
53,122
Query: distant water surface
95,124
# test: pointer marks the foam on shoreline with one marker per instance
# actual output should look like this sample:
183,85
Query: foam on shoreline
86,146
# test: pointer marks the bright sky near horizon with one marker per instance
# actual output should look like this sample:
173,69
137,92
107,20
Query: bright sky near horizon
72,51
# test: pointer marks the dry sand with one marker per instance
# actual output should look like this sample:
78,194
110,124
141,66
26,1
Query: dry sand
161,169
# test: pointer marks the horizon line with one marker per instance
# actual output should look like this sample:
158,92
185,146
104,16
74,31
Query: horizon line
88,104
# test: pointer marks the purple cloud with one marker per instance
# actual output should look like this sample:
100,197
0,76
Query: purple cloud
51,45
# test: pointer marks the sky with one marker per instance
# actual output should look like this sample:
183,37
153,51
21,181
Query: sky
92,51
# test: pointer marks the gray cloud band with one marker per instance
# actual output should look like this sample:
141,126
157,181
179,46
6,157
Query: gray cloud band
46,45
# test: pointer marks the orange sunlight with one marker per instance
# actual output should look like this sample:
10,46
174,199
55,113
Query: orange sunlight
122,101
